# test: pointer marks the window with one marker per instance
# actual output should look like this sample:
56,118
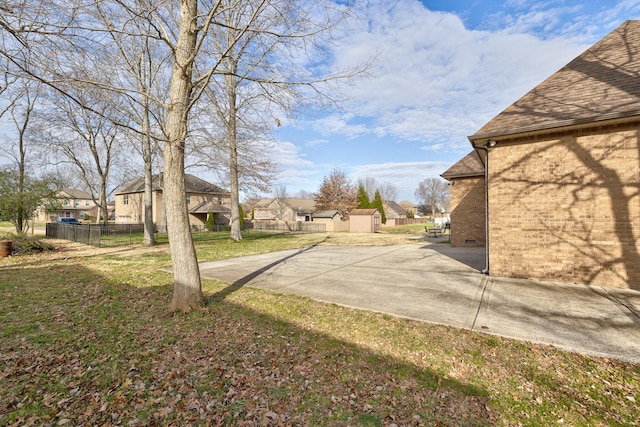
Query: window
76,203
125,199
188,199
220,199
65,202
86,203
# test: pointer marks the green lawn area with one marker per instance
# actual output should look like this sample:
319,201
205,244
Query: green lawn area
86,339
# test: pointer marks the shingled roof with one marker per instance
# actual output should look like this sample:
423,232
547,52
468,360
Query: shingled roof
602,83
469,165
76,194
192,183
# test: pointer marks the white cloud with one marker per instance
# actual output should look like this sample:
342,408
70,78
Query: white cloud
435,80
338,124
295,171
406,175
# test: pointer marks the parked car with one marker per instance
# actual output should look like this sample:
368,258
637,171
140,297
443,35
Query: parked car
69,221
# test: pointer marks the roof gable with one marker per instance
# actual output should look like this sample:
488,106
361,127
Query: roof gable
407,204
326,214
469,165
298,205
365,212
74,193
192,184
392,206
600,84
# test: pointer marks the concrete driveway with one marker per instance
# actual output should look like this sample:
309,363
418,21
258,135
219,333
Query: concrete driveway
435,283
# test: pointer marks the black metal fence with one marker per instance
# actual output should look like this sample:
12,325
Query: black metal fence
98,234
129,234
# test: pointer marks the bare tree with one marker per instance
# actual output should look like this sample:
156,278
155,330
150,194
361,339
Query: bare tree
388,191
432,192
369,184
145,63
66,37
337,192
279,207
261,75
23,98
89,142
304,194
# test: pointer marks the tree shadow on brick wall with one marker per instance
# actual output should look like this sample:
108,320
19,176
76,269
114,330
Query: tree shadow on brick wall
597,210
594,169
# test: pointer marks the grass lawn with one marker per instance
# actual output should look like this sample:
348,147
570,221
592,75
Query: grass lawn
86,339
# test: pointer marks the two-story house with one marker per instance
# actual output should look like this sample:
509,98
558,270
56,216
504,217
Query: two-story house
203,199
71,203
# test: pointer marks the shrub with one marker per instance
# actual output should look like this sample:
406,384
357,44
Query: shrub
211,223
25,244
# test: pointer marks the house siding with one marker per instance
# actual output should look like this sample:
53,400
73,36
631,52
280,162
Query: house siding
467,199
566,207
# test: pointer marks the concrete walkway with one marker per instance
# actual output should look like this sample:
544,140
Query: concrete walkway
435,283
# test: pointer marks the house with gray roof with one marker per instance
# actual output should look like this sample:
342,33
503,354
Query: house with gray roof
326,216
393,210
203,199
284,209
71,203
562,170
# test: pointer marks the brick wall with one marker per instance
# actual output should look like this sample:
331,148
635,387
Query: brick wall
567,207
467,212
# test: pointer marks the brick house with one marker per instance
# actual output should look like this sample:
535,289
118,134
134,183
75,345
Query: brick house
563,172
73,203
409,207
393,210
203,199
289,209
467,201
326,216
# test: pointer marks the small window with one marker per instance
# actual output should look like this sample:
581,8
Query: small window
65,202
125,199
77,203
219,199
188,199
86,203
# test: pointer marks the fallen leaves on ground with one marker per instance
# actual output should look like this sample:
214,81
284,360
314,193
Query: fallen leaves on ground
81,348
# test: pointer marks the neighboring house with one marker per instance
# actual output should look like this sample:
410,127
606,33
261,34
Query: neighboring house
393,210
284,209
365,221
203,199
409,207
326,216
467,200
563,172
73,203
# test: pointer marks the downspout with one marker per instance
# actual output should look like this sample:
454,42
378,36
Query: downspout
490,143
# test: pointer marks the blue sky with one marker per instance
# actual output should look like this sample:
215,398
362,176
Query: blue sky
444,69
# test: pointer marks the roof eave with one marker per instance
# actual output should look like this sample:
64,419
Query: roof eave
462,175
561,125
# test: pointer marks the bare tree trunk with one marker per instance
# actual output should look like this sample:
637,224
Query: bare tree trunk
104,207
149,237
187,289
232,135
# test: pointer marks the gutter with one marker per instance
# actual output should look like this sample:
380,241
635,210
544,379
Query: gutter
490,143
